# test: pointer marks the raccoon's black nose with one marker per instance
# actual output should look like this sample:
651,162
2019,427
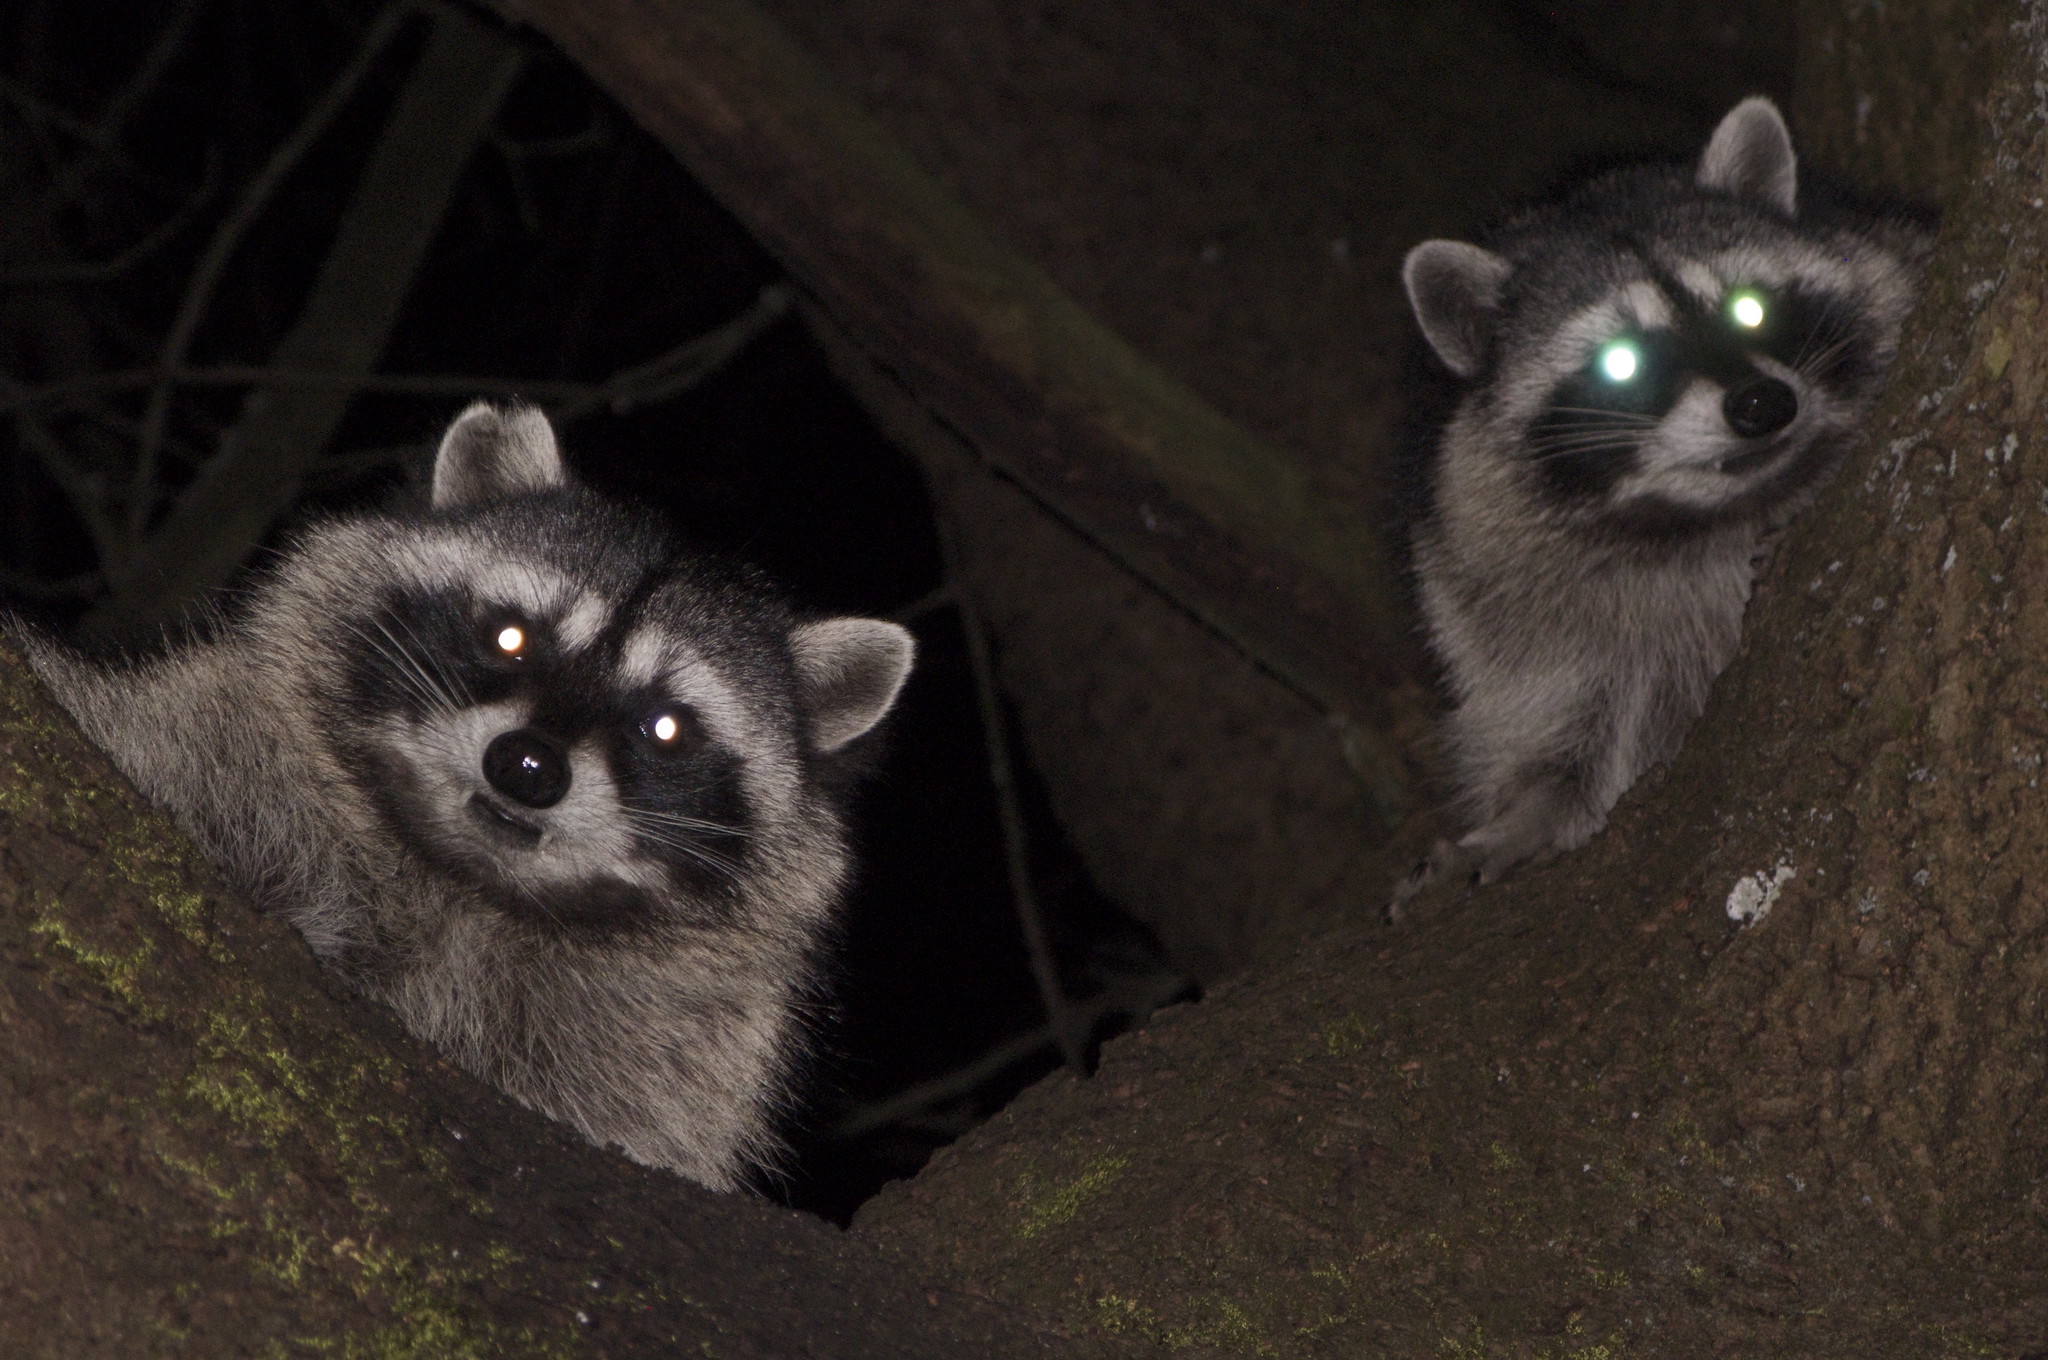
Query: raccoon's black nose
527,768
1758,408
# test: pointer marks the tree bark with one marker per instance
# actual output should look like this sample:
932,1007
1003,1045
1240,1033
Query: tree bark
209,1152
1585,1112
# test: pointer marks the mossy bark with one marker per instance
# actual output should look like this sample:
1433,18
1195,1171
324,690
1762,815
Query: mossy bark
1585,1112
208,1151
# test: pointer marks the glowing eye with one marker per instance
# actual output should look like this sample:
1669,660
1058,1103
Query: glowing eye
665,728
1748,310
1619,361
511,639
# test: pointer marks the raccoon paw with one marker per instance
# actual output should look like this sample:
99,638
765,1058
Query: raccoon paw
1450,868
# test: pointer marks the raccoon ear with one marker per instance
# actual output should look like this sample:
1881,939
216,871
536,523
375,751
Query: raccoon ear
491,452
1455,291
849,671
1750,156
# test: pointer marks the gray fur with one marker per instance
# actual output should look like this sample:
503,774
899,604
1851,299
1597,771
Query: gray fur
1750,156
490,452
1455,291
631,957
1590,541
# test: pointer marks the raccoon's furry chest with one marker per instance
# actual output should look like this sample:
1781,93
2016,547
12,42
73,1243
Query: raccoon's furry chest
1508,601
1538,631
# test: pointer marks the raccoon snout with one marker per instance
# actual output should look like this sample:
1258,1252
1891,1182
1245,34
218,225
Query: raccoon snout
1764,406
527,768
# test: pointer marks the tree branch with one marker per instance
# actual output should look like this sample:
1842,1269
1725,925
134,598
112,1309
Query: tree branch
1225,525
206,1141
199,290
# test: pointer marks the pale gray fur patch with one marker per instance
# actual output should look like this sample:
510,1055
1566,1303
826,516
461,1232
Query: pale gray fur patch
1644,303
1701,280
645,656
583,621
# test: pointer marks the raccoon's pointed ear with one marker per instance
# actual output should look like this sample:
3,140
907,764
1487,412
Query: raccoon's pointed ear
1455,291
849,671
491,452
1750,156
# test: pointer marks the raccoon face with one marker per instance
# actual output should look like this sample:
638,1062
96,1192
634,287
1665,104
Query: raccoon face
502,735
539,698
1676,353
1701,389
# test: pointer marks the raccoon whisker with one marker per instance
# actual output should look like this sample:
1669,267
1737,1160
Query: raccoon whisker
653,817
1561,438
663,836
1812,363
1599,415
406,667
430,693
1554,438
717,864
531,895
1571,453
710,859
450,684
434,669
1562,447
410,672
1823,325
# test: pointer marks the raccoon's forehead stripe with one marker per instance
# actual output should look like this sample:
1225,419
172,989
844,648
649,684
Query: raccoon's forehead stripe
644,658
1646,304
1702,282
579,616
1786,263
583,623
1638,305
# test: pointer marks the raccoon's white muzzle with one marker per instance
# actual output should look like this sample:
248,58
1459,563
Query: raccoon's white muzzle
493,789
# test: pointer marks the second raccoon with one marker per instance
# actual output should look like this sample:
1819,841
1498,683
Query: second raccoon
1659,369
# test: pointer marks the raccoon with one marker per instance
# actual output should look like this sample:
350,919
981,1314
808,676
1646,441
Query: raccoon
1659,368
558,792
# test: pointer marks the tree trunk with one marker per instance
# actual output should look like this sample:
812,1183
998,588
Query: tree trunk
1585,1112
208,1152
